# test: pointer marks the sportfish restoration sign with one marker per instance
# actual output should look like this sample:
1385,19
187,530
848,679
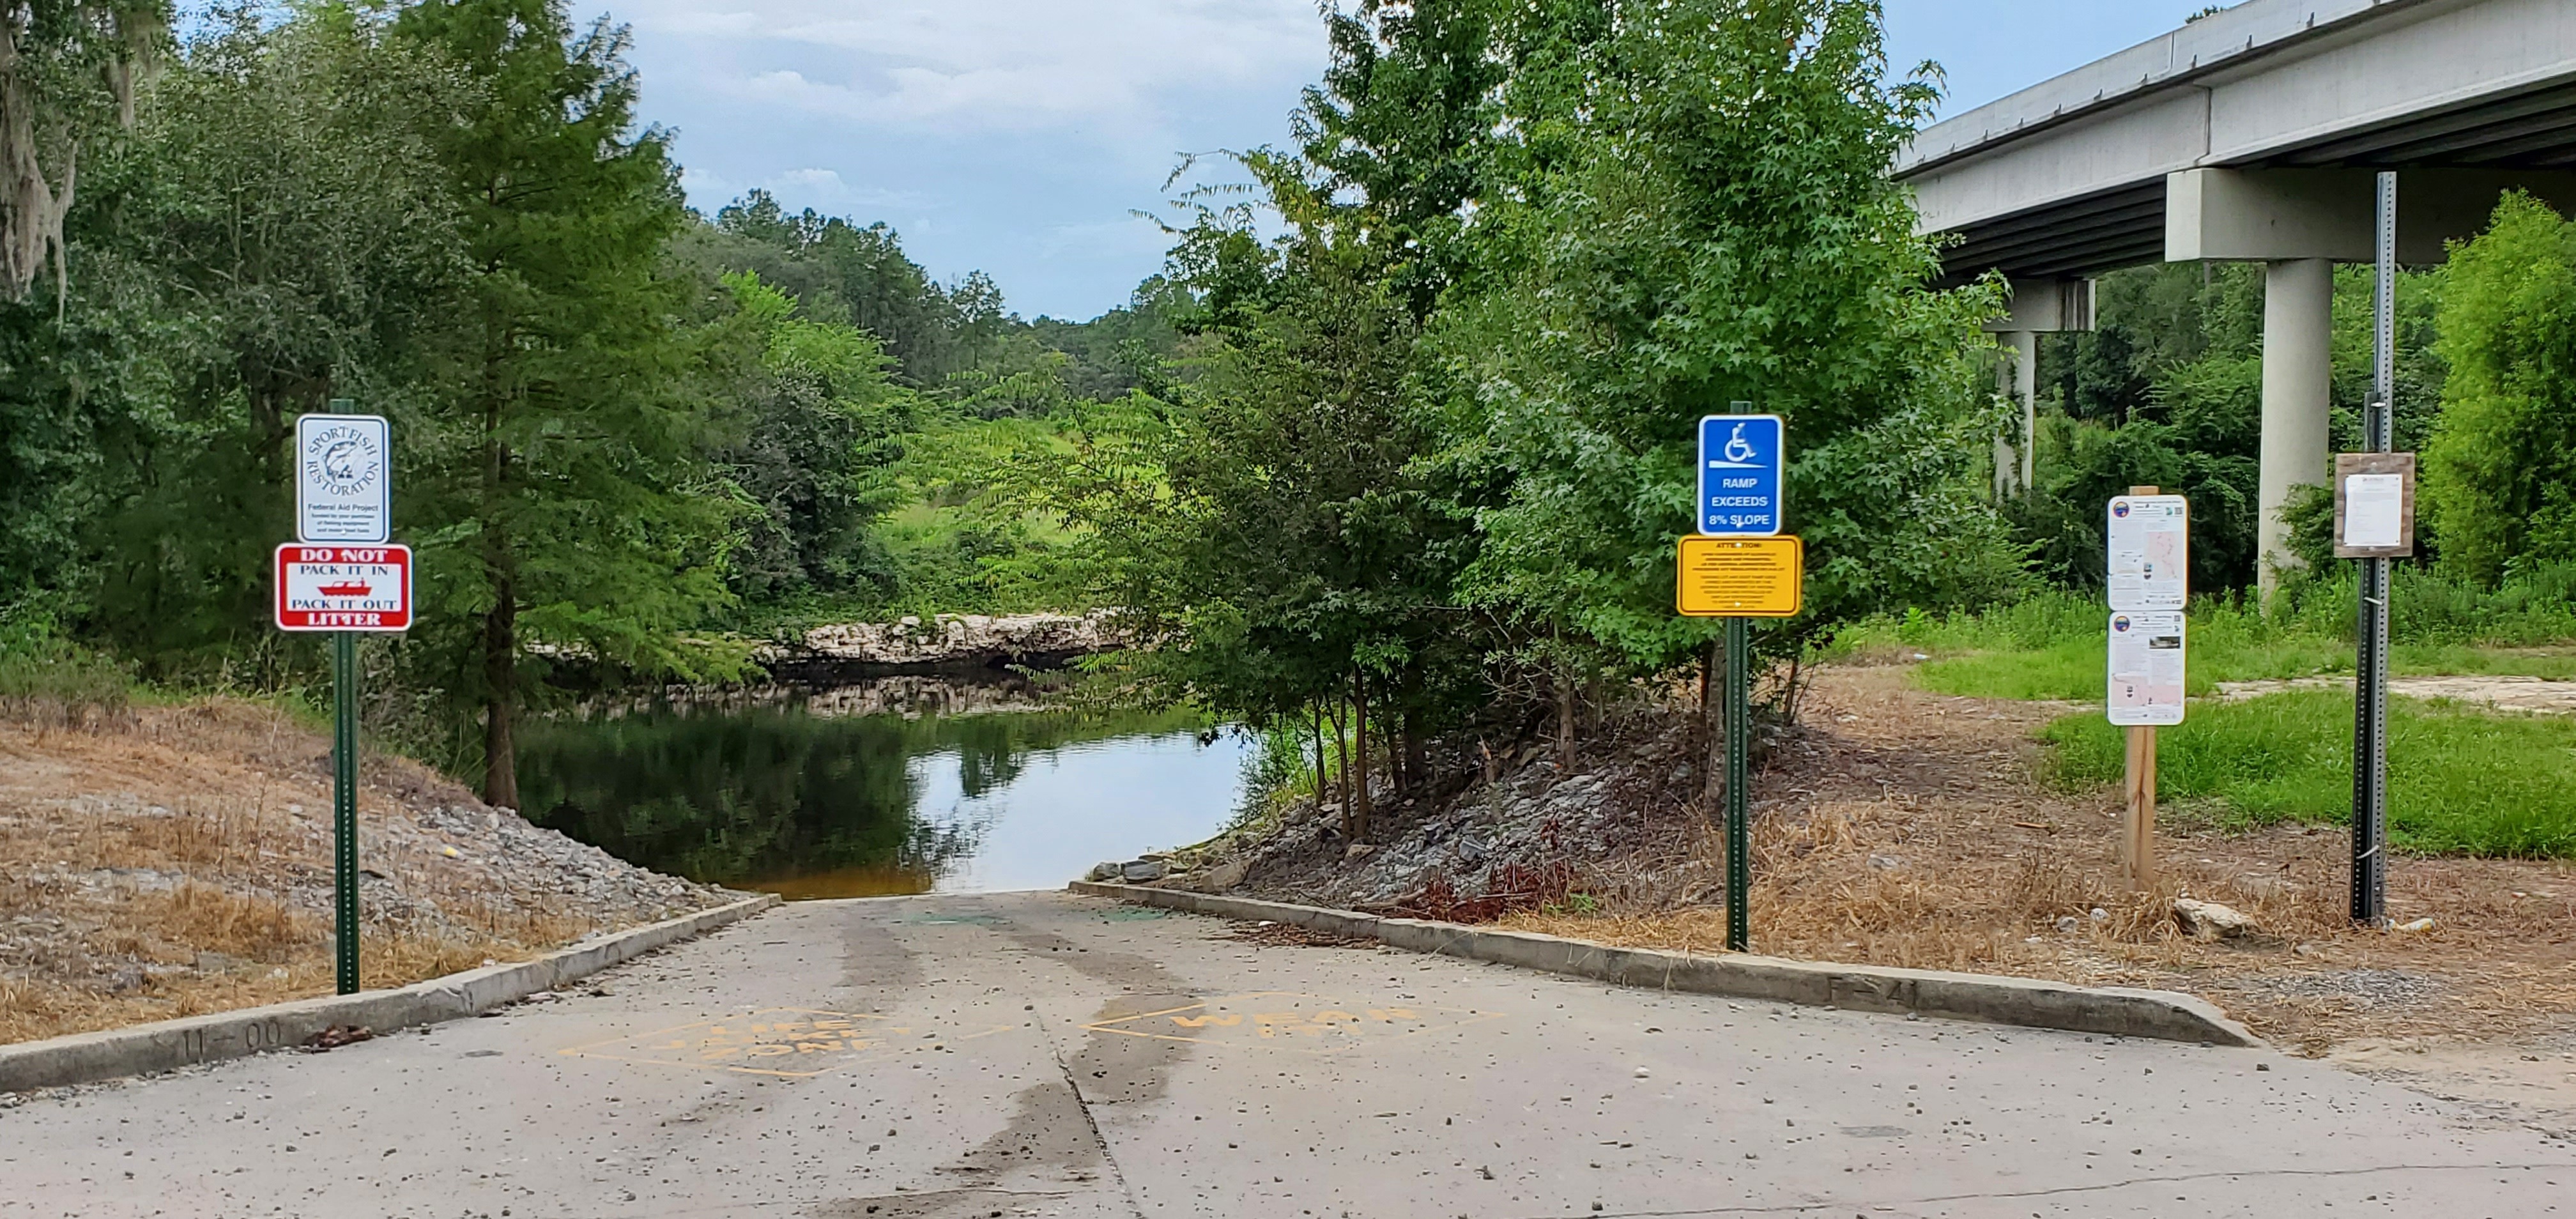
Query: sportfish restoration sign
343,479
343,588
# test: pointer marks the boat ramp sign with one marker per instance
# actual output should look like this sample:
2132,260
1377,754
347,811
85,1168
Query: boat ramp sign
1740,458
343,588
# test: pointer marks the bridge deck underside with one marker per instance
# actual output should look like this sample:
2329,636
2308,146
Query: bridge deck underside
2126,226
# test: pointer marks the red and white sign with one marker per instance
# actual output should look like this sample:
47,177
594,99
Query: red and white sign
343,588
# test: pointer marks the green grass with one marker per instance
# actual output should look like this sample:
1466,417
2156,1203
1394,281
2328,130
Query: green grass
45,677
2050,645
2076,670
2460,781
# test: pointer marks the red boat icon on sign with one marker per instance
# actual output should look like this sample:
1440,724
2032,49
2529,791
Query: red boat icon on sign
354,588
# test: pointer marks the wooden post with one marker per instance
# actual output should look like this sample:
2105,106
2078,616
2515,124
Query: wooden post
2138,824
2138,817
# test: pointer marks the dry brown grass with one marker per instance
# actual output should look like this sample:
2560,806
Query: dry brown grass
1909,832
176,862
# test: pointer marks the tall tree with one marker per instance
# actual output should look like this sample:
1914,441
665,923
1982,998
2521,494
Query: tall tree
68,74
1274,523
1691,209
821,430
2500,473
67,67
558,477
1402,123
277,232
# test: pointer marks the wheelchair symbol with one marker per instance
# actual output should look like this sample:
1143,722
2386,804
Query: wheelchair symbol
1738,449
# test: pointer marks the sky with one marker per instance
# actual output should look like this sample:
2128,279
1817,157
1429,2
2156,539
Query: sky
1019,137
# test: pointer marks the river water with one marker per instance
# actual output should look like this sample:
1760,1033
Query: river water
900,785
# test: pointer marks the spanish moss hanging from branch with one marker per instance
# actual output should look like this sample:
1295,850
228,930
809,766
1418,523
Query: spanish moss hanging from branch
68,69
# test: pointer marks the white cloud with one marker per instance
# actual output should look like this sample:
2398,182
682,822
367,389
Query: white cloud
821,189
824,189
1117,68
1013,136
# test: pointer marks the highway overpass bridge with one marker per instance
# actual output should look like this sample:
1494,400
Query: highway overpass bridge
2253,135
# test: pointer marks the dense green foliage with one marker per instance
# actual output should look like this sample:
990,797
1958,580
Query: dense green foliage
1439,447
2500,474
1699,216
2168,393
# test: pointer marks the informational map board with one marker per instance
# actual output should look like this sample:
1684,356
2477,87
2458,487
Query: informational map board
344,485
343,588
1741,577
2147,669
2150,545
1740,462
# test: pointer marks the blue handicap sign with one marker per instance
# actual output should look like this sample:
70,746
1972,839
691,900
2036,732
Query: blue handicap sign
1740,458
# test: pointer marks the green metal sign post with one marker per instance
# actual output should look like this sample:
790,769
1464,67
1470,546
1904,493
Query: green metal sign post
344,806
343,575
1739,743
1740,566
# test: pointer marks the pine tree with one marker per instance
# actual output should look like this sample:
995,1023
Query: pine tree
560,493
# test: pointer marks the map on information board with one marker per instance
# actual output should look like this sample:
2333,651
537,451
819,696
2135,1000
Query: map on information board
2150,551
2147,669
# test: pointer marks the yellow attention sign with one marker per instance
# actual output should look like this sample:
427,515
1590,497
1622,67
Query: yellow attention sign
1741,577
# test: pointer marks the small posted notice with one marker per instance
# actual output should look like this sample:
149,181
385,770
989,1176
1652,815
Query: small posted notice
2374,505
2375,510
2150,545
2146,669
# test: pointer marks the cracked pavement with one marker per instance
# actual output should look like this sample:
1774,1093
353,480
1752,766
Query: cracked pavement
1045,1054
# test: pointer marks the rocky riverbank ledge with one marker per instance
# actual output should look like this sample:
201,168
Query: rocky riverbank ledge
948,643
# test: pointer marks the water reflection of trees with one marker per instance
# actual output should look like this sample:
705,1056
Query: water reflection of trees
752,792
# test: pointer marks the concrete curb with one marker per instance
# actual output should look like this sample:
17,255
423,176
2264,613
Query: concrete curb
144,1048
2116,1011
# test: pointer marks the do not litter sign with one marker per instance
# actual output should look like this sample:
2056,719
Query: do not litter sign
343,588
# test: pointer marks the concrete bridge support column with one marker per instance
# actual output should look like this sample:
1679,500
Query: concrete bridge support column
2298,373
2037,307
2017,377
2299,223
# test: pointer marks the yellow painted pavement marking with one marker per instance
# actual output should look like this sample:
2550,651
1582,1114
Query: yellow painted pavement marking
1310,1023
792,1042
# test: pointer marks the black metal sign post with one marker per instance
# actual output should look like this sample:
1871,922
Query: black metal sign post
2370,689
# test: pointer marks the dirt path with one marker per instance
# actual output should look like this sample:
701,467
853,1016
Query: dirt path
2533,694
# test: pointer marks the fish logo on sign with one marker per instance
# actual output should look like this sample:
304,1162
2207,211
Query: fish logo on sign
344,461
